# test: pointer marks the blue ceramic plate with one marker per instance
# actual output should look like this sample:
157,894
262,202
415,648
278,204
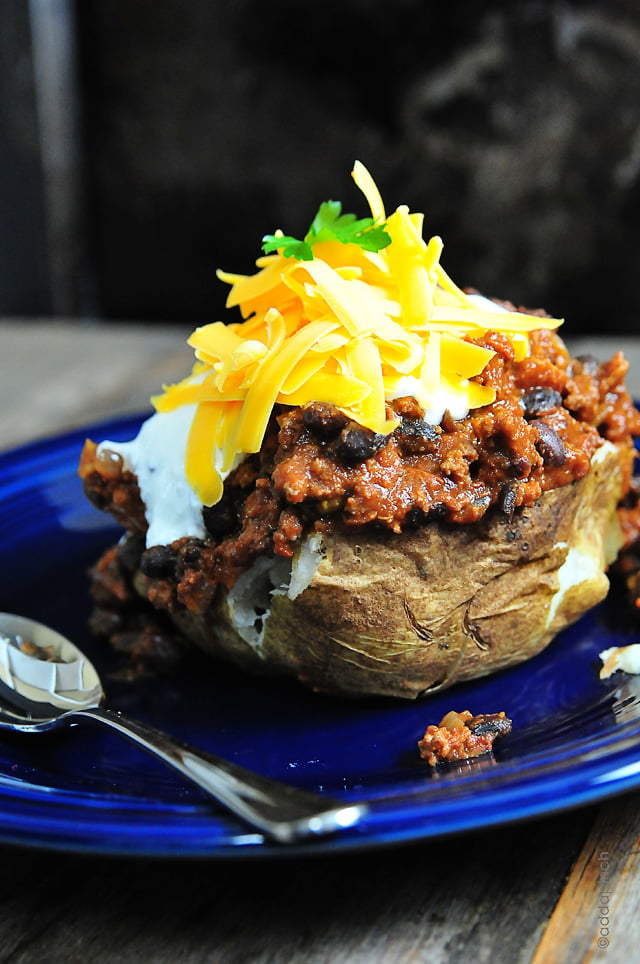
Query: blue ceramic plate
575,739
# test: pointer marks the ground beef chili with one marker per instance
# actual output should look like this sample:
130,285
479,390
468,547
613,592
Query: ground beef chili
318,469
462,736
143,636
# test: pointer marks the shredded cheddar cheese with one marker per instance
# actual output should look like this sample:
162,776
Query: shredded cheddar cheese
352,327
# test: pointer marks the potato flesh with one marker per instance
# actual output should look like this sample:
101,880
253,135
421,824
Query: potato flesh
404,615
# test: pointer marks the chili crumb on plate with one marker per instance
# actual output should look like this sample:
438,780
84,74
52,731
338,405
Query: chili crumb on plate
461,736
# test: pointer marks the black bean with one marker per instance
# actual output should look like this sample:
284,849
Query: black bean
537,401
414,517
549,444
438,511
418,428
158,562
492,723
416,435
325,421
590,364
507,498
220,519
357,444
190,555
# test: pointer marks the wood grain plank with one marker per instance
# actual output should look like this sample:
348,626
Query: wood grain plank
596,917
483,896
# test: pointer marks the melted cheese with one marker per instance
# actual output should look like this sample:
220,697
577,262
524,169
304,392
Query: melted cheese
351,327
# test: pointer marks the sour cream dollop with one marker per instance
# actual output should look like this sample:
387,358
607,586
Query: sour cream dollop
157,458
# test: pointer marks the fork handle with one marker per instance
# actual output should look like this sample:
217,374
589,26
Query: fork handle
282,812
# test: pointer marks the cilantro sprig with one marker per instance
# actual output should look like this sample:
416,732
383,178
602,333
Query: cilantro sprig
330,224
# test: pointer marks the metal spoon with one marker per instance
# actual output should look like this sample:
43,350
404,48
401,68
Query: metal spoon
46,683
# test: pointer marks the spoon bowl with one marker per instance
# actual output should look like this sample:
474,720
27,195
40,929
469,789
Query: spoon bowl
46,683
43,672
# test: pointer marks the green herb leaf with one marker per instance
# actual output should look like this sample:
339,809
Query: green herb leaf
330,224
326,218
291,247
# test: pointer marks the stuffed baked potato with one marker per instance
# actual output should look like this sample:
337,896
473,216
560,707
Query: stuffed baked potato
376,483
406,614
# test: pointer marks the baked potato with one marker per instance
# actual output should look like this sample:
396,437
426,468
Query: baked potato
405,614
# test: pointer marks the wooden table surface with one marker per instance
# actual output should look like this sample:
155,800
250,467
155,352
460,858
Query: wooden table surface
521,893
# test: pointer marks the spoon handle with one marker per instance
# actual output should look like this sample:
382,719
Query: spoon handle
281,812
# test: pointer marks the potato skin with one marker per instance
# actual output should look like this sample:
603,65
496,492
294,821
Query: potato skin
404,615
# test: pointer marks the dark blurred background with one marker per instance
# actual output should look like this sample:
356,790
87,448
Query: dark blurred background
145,143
